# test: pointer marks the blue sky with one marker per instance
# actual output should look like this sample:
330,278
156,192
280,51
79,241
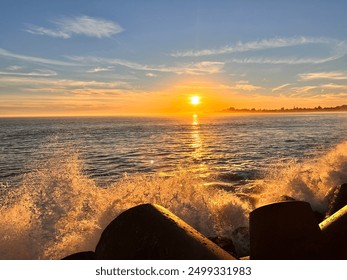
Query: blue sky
126,57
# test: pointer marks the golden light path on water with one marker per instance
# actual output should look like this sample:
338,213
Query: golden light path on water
198,145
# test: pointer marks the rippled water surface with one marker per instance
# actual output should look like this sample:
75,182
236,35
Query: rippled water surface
234,144
62,180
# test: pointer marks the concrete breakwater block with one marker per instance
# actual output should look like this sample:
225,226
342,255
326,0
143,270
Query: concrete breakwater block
334,230
285,231
339,200
150,231
86,255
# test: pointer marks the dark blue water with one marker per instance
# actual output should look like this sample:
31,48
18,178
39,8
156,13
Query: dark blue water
110,147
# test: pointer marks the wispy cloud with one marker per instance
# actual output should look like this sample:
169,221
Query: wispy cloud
314,90
35,73
38,30
242,86
79,25
335,49
236,86
34,59
44,83
289,60
14,67
196,68
323,75
93,60
254,45
151,75
100,69
280,87
334,87
199,68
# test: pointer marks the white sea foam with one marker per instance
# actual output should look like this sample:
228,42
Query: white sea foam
309,180
57,210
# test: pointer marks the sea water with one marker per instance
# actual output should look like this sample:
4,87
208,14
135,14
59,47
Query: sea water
62,180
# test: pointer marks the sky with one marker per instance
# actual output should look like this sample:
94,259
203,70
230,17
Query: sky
134,57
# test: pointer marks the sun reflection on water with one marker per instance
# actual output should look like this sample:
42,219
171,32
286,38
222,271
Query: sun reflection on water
198,154
195,119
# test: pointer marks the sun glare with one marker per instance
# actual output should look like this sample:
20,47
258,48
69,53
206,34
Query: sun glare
195,100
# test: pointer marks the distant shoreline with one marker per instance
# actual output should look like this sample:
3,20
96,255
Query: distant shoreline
319,109
231,110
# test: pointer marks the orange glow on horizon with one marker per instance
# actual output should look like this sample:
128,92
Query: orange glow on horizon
186,96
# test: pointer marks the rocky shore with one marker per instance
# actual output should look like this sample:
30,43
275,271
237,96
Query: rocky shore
287,229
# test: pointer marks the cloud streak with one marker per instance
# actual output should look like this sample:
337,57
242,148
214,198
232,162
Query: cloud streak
82,25
254,45
289,61
34,59
196,68
318,90
236,86
280,87
37,73
242,86
151,75
100,69
43,83
336,49
323,75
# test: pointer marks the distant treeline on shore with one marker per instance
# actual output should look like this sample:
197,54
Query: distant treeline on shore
286,110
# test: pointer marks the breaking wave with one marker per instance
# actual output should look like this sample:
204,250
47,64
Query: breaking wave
57,209
311,180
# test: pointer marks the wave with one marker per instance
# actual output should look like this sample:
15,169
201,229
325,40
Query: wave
57,209
310,180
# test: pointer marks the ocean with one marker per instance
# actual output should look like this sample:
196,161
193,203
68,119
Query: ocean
62,180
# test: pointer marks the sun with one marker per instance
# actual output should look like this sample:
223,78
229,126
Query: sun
195,100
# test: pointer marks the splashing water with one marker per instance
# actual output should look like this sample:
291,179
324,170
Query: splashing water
309,180
57,210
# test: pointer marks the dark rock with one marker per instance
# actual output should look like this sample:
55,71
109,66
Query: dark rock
150,231
339,200
241,238
87,255
319,216
334,231
225,243
285,231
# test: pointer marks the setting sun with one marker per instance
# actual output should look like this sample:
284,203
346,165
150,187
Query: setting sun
195,100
